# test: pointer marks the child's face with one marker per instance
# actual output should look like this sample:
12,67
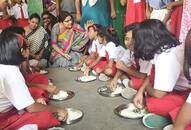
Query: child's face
101,40
129,40
92,33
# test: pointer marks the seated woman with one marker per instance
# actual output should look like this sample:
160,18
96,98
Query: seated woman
48,22
13,86
38,38
67,40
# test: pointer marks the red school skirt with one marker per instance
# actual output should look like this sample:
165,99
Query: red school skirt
135,12
22,22
13,121
5,23
176,18
103,63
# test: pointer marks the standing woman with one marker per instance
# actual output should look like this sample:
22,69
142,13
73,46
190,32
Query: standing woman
67,39
96,10
35,6
135,12
119,20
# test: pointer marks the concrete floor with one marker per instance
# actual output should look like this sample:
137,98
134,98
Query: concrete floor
98,110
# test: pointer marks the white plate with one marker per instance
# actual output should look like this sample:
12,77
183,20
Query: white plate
62,95
74,115
129,111
85,79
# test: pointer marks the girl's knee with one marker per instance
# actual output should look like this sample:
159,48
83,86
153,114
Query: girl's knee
119,64
108,71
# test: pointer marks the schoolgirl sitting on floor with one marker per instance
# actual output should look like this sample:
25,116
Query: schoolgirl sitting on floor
111,51
13,86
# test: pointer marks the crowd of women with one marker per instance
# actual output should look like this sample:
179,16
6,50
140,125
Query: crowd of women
153,63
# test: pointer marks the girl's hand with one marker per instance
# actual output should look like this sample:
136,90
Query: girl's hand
88,23
68,57
86,72
113,14
138,100
62,114
113,84
41,101
53,89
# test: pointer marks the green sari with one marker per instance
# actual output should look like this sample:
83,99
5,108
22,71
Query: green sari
35,6
119,20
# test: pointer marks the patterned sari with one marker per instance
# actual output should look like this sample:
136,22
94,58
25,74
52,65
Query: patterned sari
71,42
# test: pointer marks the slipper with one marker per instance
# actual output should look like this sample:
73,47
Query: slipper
85,79
128,93
118,90
152,120
103,77
168,127
83,68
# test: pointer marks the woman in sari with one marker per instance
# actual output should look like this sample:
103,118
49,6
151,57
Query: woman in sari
38,39
67,41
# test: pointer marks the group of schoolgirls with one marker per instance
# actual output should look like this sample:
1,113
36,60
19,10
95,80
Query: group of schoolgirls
153,64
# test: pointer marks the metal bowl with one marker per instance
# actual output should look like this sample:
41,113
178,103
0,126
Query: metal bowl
107,92
70,95
68,122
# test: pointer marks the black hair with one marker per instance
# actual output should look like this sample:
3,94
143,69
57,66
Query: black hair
110,34
63,15
15,29
46,12
96,27
187,56
10,49
151,37
35,15
130,27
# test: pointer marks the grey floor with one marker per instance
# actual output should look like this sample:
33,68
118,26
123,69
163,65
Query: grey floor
98,110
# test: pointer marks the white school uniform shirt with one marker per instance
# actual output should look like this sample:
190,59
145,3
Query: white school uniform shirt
16,11
120,52
111,49
168,66
102,52
189,99
13,90
95,46
128,58
145,66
